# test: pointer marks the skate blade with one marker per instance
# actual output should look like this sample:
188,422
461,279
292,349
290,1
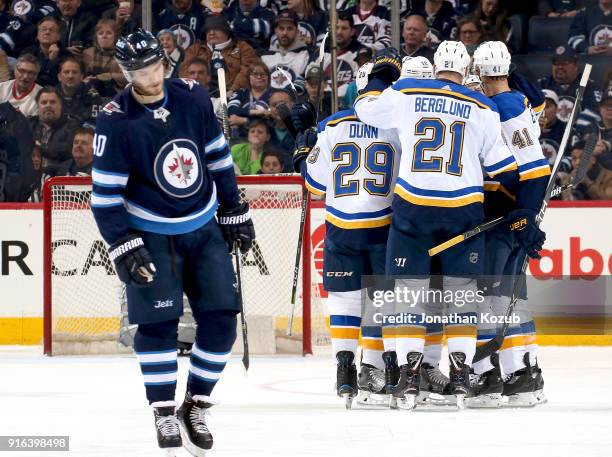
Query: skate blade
460,401
408,402
540,397
433,400
189,446
170,452
393,402
485,401
369,400
348,400
522,400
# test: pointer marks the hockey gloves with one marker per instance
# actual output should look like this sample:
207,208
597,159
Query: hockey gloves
303,116
387,66
522,223
133,262
303,145
237,226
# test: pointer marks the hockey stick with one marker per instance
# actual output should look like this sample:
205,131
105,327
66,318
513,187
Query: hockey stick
243,324
222,95
495,343
320,59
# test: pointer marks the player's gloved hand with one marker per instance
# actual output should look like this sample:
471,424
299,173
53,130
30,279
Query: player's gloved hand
304,143
217,61
237,226
303,116
133,262
243,25
387,65
522,223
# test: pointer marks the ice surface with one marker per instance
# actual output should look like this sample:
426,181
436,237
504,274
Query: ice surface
286,407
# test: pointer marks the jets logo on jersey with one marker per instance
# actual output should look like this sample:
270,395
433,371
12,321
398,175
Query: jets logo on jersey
184,35
177,168
112,107
566,103
21,7
189,82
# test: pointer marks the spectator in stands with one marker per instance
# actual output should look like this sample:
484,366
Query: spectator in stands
271,163
252,103
551,126
372,24
5,71
76,26
186,17
557,8
251,23
441,18
287,48
564,82
248,155
199,70
16,173
469,32
174,53
237,55
493,19
590,30
103,72
80,101
414,34
21,91
280,137
47,50
597,183
53,131
313,76
126,17
312,21
82,153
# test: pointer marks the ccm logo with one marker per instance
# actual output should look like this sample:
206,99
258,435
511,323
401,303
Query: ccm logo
339,274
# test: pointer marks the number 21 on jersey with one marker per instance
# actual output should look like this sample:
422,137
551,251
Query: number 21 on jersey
434,131
377,160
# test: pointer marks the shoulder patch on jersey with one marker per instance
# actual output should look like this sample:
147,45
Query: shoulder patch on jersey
112,107
314,155
189,82
511,105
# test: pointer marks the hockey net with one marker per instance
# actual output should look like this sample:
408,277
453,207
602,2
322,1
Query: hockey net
85,302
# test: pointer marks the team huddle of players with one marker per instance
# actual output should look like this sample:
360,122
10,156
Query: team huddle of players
429,152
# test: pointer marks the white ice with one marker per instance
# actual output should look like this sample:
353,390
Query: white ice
286,407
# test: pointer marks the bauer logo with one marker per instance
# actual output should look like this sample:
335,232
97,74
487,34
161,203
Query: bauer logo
177,168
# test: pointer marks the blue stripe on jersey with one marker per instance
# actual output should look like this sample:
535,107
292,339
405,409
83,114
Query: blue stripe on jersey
334,117
362,215
108,179
215,145
499,165
103,201
310,180
534,164
440,193
344,321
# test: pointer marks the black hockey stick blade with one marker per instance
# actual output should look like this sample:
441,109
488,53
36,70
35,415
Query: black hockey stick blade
587,153
243,324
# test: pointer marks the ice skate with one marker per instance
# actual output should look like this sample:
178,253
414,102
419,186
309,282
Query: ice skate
346,377
407,388
434,387
167,425
459,376
196,435
391,375
371,384
519,387
487,387
539,385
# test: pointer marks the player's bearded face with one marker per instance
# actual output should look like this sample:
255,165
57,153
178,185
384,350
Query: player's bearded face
148,81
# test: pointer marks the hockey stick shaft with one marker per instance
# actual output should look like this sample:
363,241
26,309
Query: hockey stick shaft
298,255
223,97
243,324
464,236
495,343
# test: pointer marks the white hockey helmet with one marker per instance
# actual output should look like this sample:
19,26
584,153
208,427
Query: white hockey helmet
363,76
416,67
451,56
492,58
473,82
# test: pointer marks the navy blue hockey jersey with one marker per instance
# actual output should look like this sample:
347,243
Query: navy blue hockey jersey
160,168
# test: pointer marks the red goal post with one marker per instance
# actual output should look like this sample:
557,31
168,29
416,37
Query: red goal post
82,295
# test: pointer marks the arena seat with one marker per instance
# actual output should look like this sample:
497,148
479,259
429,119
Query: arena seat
546,33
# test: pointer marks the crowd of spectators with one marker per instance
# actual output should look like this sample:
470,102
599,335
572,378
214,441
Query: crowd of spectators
57,70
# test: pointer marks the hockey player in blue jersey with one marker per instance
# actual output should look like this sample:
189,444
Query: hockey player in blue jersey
162,171
505,246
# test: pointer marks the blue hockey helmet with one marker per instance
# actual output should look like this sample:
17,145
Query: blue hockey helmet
138,50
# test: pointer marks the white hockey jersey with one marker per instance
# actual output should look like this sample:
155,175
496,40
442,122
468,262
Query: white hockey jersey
448,134
355,166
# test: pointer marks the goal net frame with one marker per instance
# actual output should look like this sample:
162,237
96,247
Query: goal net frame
307,285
